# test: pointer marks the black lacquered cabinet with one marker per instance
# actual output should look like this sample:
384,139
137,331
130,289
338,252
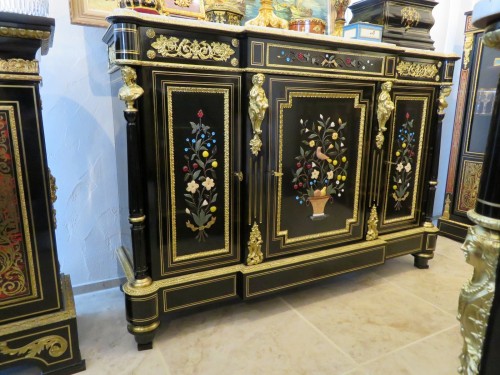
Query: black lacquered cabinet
254,160
479,73
37,312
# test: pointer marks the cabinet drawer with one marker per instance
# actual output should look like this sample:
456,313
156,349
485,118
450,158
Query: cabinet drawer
304,273
199,293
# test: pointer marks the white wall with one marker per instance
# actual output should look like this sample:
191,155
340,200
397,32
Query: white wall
80,143
80,146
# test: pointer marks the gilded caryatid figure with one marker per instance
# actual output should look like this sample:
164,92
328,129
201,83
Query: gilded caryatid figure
130,91
257,111
481,248
384,109
255,255
372,233
443,104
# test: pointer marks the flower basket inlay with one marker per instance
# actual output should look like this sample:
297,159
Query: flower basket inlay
200,177
321,168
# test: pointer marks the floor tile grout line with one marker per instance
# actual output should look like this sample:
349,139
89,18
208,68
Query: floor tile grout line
420,298
407,346
322,334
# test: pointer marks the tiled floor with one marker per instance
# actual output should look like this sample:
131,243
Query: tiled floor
393,319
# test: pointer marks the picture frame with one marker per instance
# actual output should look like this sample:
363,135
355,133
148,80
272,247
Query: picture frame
94,12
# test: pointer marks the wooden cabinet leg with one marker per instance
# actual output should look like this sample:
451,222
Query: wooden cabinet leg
422,258
144,335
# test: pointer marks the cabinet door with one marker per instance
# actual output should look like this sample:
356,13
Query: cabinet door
194,197
313,164
406,157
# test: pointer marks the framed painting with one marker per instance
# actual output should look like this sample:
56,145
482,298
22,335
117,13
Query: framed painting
94,12
289,9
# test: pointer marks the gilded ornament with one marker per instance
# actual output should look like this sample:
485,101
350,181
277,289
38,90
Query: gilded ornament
446,210
410,17
443,104
239,176
257,111
417,70
53,196
492,39
151,54
267,18
468,44
192,49
385,107
183,3
481,248
234,61
19,66
54,344
150,33
255,255
24,33
372,233
471,175
235,43
130,91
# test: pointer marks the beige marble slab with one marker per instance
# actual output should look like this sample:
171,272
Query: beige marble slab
439,285
372,318
436,355
261,337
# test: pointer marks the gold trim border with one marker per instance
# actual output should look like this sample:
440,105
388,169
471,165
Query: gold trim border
209,90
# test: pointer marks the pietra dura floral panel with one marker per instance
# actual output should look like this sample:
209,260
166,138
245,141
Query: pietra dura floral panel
195,160
321,136
405,160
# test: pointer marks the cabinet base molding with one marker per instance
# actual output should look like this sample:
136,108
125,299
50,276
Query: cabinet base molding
146,305
453,229
49,341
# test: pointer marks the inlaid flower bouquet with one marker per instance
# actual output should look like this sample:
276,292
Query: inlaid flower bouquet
200,178
405,159
321,167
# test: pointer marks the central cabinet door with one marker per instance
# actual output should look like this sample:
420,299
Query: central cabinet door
317,168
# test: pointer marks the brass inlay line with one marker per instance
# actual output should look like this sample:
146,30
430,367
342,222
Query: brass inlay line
20,77
488,203
156,314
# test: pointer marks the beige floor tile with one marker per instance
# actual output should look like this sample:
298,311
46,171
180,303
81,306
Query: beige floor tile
370,320
450,248
262,337
440,284
436,355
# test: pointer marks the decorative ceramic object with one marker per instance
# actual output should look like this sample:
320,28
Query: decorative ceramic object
267,17
337,10
308,25
226,12
30,7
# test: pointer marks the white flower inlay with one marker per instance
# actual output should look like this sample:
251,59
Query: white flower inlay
208,183
315,174
192,187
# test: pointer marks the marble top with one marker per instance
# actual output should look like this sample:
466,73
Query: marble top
199,24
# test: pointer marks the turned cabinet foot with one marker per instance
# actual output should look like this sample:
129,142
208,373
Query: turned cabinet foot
421,261
144,335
